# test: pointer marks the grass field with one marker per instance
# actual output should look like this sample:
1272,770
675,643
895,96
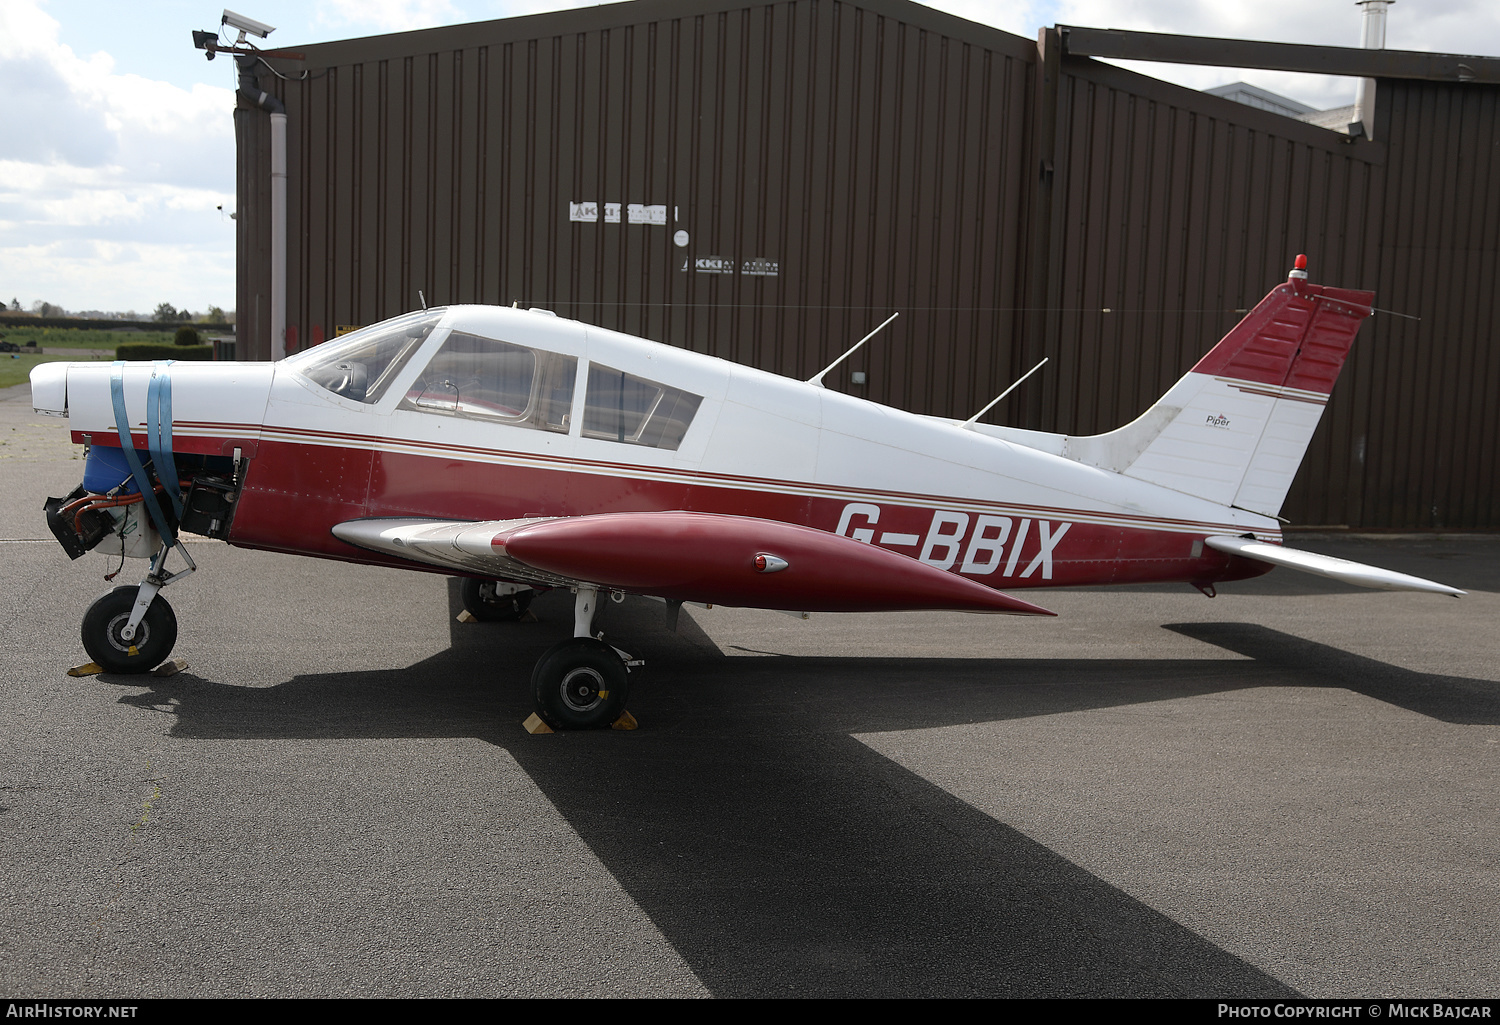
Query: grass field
16,369
80,338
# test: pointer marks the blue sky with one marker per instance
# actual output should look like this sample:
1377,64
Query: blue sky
117,145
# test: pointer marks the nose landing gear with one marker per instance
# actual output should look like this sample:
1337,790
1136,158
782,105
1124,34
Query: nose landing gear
133,629
104,632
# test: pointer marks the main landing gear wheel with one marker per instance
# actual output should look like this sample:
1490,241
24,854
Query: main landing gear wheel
483,603
580,684
153,640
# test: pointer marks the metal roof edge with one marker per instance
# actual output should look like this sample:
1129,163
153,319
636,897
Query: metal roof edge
609,16
1231,111
1123,44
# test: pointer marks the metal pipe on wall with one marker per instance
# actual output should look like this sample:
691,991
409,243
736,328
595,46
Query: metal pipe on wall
251,91
278,235
1372,38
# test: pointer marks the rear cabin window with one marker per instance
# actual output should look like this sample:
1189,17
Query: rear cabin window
625,408
487,379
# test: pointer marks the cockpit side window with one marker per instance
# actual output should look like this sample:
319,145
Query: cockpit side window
486,379
629,409
361,366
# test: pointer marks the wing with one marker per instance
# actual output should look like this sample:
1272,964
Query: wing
687,556
1327,566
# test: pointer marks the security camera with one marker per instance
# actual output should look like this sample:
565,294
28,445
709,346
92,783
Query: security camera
244,24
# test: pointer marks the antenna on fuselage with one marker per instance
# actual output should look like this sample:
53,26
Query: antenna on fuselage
817,379
969,423
422,299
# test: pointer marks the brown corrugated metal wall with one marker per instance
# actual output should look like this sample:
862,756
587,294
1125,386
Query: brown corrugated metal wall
880,157
1428,443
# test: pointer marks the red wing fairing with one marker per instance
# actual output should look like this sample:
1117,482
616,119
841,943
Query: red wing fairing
687,556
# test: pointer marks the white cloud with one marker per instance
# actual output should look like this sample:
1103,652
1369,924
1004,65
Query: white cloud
385,15
1017,17
57,199
121,276
90,158
42,122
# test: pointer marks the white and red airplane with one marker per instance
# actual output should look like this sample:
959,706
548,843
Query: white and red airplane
523,451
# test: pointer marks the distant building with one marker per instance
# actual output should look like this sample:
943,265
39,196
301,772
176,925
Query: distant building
1261,99
1335,119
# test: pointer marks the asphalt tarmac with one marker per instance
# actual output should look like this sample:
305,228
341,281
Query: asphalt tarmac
1293,788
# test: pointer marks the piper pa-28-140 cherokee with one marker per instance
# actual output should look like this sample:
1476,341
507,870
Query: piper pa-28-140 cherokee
522,451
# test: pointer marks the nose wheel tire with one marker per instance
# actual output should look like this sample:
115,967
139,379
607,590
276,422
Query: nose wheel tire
105,621
580,684
483,603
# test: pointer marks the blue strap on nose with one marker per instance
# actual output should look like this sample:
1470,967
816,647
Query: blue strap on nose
127,445
159,431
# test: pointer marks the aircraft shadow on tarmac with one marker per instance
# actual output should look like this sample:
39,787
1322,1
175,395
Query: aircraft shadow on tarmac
781,856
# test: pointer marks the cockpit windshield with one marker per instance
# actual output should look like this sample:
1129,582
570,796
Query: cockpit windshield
362,365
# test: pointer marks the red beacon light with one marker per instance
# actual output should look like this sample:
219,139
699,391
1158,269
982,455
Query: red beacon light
1299,268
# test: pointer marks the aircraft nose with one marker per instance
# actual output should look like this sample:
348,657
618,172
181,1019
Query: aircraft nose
216,395
49,388
203,399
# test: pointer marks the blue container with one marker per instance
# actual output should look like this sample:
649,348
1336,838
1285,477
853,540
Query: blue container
106,468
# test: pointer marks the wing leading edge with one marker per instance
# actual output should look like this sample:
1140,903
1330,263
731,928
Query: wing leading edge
688,556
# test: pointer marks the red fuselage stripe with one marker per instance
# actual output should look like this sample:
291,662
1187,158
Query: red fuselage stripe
296,492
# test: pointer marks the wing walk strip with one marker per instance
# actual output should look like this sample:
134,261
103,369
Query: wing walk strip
1275,391
1280,394
334,439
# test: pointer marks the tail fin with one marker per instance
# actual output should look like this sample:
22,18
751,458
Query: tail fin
1235,428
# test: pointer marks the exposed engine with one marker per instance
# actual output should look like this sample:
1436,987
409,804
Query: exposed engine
107,511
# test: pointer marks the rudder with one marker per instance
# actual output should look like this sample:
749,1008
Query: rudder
1235,428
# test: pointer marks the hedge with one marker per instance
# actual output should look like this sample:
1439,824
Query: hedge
151,350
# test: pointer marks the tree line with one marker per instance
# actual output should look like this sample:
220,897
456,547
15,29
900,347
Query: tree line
165,313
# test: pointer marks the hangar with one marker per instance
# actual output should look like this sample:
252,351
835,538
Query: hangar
766,182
